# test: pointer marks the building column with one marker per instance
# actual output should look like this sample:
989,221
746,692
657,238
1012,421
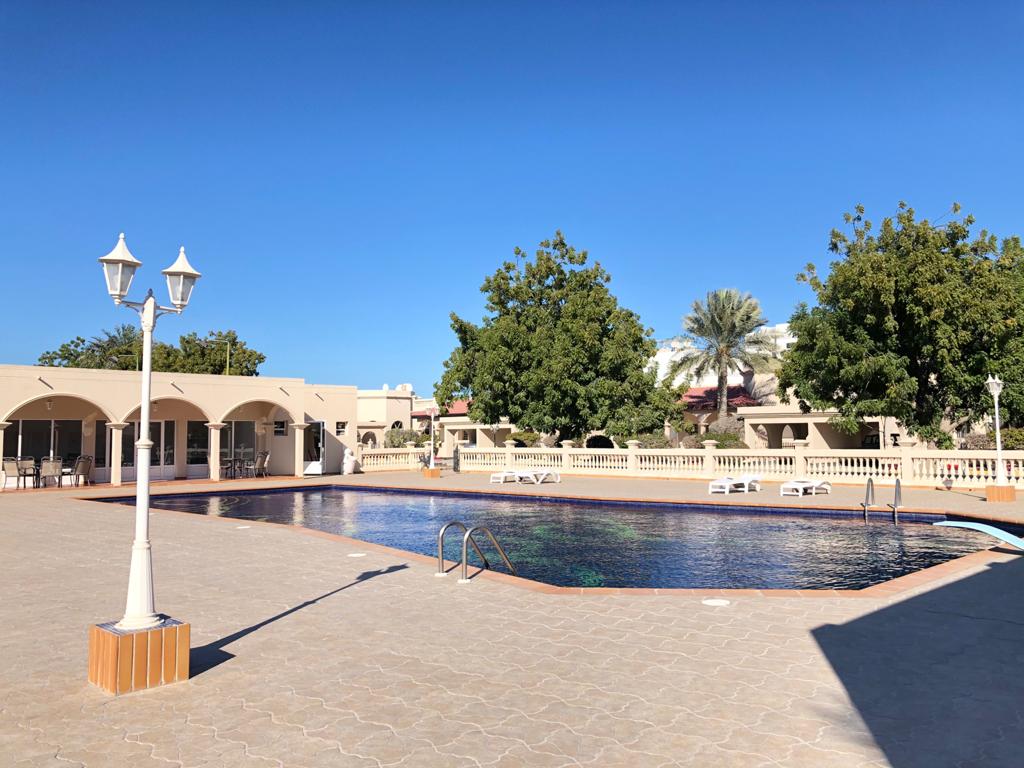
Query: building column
299,430
180,448
116,445
213,449
3,477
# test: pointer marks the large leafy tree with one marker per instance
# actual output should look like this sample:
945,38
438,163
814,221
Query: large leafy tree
908,324
721,336
556,353
121,349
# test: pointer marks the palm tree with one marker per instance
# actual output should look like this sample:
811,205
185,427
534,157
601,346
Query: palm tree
721,336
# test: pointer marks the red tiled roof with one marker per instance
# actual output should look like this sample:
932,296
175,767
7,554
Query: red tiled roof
457,408
706,398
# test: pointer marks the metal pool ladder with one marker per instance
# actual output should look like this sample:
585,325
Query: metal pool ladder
869,498
467,539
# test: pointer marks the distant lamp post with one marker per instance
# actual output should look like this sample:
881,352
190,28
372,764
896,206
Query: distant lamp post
1002,491
432,470
140,614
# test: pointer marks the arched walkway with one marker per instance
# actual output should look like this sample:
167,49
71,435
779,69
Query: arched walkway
180,435
266,430
55,425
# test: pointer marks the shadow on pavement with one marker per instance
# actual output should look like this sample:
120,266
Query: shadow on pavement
937,678
206,657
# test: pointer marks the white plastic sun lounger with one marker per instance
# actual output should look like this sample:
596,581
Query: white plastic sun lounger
504,477
801,487
537,476
744,484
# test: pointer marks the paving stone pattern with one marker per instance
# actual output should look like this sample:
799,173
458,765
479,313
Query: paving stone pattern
305,655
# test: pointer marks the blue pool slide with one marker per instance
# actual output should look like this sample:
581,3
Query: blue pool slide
1003,536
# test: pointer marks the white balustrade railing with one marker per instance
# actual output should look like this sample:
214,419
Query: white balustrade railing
912,465
765,463
854,465
390,459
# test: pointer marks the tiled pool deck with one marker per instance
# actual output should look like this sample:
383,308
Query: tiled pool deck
305,656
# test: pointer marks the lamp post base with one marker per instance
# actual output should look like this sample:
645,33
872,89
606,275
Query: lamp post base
432,473
124,660
1000,493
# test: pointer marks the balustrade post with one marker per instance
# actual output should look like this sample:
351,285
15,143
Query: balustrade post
632,463
906,448
800,458
567,445
710,446
509,445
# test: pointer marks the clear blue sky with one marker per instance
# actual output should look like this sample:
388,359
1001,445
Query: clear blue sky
345,174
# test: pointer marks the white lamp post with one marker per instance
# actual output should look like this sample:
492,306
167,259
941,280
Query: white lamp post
995,386
119,268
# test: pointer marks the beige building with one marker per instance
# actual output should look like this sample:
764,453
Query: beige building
67,412
380,410
776,426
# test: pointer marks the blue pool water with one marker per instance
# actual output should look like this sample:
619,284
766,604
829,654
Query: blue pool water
590,544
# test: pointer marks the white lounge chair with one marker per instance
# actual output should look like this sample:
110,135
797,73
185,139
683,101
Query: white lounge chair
801,487
504,477
744,484
538,476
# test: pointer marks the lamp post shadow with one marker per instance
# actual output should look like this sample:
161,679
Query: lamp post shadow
205,657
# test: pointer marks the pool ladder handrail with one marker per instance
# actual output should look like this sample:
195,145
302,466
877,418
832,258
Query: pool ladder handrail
869,497
897,502
468,539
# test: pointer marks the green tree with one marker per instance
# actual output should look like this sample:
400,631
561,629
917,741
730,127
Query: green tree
121,349
907,325
722,336
555,353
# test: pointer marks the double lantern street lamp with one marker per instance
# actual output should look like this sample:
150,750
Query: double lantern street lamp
119,268
995,386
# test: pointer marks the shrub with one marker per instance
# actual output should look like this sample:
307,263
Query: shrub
397,438
650,440
725,440
976,442
599,441
1012,439
730,425
525,439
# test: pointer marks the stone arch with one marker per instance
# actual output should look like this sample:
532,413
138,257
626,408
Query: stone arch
52,396
156,400
599,441
263,401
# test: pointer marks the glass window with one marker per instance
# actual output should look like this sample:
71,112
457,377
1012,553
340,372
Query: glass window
245,440
340,428
128,446
225,441
168,444
35,438
67,439
101,443
197,442
280,429
11,439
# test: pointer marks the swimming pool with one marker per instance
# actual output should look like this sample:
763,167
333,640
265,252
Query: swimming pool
585,544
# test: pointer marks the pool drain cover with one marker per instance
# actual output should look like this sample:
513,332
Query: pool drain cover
716,602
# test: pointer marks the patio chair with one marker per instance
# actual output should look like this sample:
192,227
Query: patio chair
51,469
801,487
227,469
504,477
26,470
248,468
262,462
743,484
81,470
10,468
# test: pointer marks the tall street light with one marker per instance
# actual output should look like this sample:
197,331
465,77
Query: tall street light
119,268
995,386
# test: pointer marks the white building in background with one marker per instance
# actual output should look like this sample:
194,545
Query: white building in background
675,349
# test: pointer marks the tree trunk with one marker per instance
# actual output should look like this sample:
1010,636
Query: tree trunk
723,393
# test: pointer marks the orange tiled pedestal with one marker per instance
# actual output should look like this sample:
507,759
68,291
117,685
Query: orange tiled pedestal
433,473
1000,493
124,661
